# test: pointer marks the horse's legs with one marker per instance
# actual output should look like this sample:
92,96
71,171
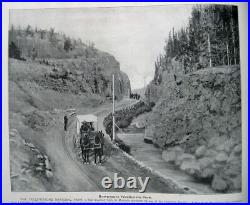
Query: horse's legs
100,156
101,149
87,156
95,155
83,155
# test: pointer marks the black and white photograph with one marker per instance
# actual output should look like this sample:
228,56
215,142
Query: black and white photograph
125,99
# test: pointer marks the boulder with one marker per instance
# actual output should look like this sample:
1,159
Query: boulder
205,162
217,140
183,157
187,157
219,184
140,124
236,183
200,151
169,156
211,153
221,157
207,173
237,149
226,146
178,150
233,170
233,159
190,166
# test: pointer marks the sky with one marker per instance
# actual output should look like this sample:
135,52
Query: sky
135,36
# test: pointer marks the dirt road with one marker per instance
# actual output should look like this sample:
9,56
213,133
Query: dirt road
77,177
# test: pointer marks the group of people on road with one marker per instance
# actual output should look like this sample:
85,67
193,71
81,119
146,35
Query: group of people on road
135,96
91,140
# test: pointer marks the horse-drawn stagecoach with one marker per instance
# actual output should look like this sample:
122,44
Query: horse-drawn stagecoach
89,138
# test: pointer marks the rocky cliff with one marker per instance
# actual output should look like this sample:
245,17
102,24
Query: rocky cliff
197,123
83,75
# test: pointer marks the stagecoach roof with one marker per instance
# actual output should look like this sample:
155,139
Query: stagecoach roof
87,118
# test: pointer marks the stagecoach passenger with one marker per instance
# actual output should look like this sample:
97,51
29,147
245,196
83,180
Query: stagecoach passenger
84,127
91,126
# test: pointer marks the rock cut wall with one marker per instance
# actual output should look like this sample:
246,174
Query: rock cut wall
197,123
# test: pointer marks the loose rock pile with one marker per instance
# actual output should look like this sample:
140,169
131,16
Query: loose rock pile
40,164
27,164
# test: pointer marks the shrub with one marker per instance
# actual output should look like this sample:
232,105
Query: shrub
14,51
123,123
125,116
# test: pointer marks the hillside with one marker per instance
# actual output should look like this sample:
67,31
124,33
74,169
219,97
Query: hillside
43,157
66,65
44,81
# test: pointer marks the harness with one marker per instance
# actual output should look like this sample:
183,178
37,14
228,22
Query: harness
99,142
84,146
97,146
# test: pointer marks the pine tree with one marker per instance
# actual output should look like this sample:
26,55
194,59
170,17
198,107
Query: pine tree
210,39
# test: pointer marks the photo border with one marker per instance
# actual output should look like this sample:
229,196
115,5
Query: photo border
15,196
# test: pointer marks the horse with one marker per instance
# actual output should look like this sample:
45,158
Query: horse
102,141
98,147
85,147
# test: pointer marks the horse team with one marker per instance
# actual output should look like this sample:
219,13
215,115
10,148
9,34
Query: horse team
91,140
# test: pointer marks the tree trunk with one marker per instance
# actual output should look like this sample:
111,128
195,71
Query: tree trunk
233,37
209,51
228,60
235,60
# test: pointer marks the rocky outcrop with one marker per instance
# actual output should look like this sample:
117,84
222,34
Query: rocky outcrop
197,117
83,75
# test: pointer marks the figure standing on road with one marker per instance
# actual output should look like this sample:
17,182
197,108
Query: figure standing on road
65,122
